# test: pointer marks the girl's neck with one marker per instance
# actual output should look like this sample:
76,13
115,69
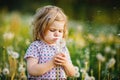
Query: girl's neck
48,43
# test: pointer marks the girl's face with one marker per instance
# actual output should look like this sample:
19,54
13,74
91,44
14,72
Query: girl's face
55,32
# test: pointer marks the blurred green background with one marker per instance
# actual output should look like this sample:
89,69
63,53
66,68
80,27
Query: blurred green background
93,39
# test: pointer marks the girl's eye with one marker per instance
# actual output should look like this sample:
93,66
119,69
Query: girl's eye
52,30
60,31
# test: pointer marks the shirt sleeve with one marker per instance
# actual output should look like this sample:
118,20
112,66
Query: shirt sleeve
32,51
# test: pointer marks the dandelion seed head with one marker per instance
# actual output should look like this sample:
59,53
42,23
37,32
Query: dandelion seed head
83,70
92,78
87,77
107,49
100,57
59,44
15,55
111,63
21,69
9,50
119,34
76,68
77,74
8,36
6,71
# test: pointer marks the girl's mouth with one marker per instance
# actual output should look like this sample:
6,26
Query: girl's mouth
55,39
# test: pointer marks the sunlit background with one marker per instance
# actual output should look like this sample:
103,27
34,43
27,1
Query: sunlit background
93,39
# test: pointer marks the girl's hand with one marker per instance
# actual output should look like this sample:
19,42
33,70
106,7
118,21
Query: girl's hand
60,59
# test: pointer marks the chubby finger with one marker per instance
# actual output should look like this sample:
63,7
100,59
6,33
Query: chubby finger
57,63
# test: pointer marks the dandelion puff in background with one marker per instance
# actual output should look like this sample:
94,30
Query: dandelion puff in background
9,50
119,34
21,68
111,63
8,36
100,57
15,55
77,73
6,71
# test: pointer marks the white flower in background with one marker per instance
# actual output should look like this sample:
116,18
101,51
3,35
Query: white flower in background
21,68
9,50
8,36
107,49
77,74
111,63
87,77
15,55
76,68
92,78
100,57
119,34
83,70
6,71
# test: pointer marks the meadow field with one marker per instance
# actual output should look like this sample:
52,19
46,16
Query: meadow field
94,49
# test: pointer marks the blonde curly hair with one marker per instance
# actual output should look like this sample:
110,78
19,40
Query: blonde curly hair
44,17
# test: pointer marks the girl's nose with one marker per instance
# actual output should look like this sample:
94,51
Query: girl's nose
56,33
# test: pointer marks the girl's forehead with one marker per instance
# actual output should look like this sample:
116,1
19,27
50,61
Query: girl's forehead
57,24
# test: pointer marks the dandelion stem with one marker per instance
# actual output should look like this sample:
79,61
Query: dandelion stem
99,69
12,78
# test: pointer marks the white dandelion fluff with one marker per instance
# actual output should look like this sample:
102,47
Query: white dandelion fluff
100,57
111,63
6,71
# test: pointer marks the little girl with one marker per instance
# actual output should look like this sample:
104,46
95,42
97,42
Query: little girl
42,56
